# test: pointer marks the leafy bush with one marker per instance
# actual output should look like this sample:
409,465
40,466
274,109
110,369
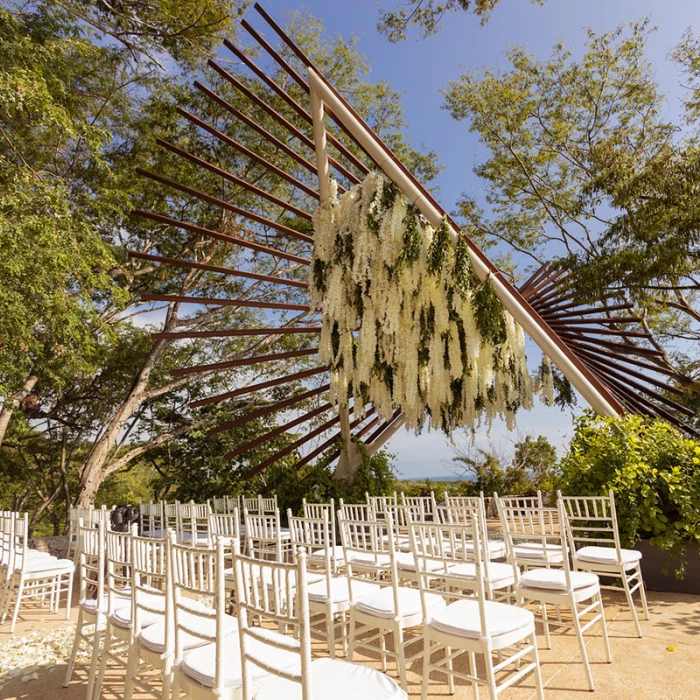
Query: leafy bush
653,469
316,482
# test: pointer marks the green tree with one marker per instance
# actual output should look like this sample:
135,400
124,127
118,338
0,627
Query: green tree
428,15
83,101
538,459
582,168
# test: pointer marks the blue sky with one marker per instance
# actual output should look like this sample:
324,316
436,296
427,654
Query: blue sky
420,68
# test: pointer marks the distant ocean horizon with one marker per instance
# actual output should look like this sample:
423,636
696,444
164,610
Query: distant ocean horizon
445,477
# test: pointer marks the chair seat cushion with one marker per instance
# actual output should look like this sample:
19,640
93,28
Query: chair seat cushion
381,603
407,562
46,565
497,572
538,551
339,680
608,555
153,637
462,618
122,616
339,591
319,555
369,558
555,579
200,663
496,549
90,605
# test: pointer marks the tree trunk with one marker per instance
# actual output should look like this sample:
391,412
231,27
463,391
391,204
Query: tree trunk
94,470
12,404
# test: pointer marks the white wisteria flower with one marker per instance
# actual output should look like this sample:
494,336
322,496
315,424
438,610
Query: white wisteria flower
406,322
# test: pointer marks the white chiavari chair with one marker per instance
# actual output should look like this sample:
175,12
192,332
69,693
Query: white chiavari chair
379,504
75,515
151,651
200,622
151,520
118,634
535,532
498,578
268,506
93,599
469,623
329,597
30,576
564,588
317,511
251,505
456,506
594,540
193,524
427,504
265,537
171,517
356,511
370,555
296,676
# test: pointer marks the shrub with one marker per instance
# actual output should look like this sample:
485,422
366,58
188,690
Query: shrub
653,469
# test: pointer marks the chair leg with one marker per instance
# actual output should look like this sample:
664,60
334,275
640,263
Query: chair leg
604,625
401,656
582,646
175,690
426,667
642,592
538,671
490,675
95,656
69,594
545,623
18,599
472,672
74,650
132,666
166,690
630,601
351,640
382,649
450,671
331,631
103,663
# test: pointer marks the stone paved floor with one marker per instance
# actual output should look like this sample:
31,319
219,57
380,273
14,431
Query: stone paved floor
642,668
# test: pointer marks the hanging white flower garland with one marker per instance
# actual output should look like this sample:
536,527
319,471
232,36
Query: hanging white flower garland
406,323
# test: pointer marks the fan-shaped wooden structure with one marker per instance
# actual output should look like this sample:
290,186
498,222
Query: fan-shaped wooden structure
326,138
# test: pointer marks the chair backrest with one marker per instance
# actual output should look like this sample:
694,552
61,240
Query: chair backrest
252,505
591,521
219,505
263,536
369,549
356,511
284,603
193,524
522,501
379,504
149,584
171,513
151,519
118,558
313,534
321,510
227,525
198,593
427,504
7,519
91,565
531,533
268,506
472,517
